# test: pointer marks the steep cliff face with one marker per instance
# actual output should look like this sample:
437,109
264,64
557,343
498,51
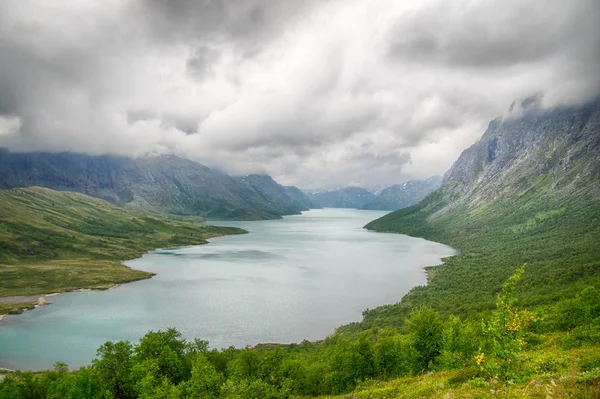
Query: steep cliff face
560,147
403,195
538,160
164,183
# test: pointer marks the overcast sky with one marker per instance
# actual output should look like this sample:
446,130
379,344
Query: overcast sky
317,93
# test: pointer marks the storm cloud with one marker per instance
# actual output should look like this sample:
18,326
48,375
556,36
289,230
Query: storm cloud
316,93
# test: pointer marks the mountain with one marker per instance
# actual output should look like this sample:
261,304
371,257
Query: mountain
348,197
273,194
300,197
527,192
53,241
164,183
403,195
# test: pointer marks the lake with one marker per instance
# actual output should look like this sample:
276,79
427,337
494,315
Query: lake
287,280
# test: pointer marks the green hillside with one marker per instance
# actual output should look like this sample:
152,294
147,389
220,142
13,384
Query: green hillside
58,241
537,202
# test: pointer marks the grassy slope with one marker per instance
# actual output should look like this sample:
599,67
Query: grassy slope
57,241
554,373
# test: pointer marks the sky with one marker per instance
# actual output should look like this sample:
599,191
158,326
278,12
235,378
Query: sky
316,93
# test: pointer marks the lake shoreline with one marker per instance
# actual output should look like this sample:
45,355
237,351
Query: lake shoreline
27,300
330,257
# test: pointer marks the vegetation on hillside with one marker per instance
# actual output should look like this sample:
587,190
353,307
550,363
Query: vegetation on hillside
57,241
431,358
557,237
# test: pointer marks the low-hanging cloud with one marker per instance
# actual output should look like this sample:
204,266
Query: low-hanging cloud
315,93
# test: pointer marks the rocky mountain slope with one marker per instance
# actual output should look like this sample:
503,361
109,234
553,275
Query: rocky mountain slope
300,197
274,194
561,147
348,197
164,183
403,195
527,192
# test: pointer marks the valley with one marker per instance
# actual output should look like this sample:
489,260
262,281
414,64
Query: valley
251,199
520,205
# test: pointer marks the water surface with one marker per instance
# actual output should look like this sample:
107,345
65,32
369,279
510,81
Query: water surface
287,280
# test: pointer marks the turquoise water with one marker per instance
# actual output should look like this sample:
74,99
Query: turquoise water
287,280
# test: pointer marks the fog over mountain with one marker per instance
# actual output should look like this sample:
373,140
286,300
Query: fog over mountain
314,93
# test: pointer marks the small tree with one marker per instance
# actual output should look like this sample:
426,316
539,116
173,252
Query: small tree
111,369
505,332
427,333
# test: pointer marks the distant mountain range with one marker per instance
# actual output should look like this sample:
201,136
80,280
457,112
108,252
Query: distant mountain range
162,183
394,197
348,197
403,195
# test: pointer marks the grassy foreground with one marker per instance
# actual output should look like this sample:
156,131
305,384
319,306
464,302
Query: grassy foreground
555,373
60,241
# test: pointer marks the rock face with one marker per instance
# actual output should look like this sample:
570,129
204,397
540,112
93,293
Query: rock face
164,183
348,197
403,195
540,163
561,146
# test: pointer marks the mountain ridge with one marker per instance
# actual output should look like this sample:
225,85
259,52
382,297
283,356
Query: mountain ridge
347,197
403,195
527,192
162,183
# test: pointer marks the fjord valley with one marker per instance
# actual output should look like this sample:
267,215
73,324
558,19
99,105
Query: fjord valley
514,314
275,199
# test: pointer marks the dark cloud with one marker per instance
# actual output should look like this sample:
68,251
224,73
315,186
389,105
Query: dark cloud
241,21
316,93
201,61
186,124
134,116
494,34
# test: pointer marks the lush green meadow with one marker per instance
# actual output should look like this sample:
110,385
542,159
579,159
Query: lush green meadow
55,241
